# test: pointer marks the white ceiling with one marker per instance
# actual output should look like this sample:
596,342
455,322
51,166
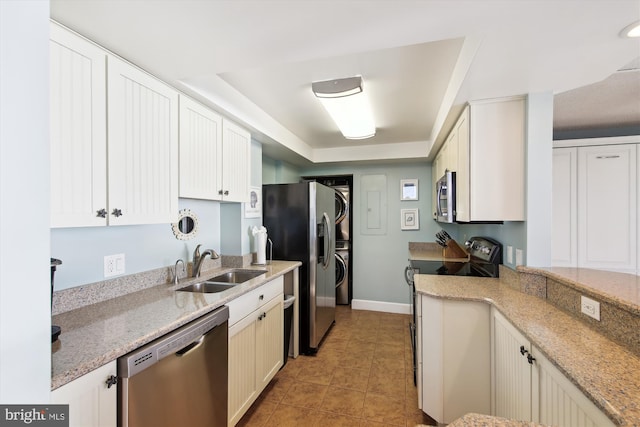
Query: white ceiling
421,59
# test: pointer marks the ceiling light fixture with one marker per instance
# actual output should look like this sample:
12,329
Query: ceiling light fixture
631,30
348,105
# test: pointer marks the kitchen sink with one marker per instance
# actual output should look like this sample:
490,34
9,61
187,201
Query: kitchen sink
237,276
222,282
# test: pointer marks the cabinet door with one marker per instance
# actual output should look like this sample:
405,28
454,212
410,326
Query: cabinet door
270,335
243,384
91,402
200,151
564,236
560,403
77,130
462,172
236,162
143,147
511,371
607,189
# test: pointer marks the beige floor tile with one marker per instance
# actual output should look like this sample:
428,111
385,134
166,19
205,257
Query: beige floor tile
292,416
258,414
353,379
384,409
329,419
306,395
317,372
387,383
277,388
343,401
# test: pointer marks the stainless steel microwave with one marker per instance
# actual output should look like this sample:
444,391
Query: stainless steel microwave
446,198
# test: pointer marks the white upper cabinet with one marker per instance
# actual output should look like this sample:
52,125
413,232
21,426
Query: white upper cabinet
236,162
143,146
115,165
78,131
490,175
200,151
215,155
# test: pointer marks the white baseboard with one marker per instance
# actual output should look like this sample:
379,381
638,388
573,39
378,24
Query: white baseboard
386,307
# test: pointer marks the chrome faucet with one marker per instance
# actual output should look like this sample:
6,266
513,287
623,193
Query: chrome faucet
198,258
175,271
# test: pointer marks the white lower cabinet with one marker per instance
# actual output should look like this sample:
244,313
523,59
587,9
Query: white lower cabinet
527,387
92,402
453,358
255,345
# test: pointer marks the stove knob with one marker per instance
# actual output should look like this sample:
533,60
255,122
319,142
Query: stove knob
485,250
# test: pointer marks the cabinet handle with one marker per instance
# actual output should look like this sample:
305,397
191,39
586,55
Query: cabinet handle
530,359
523,350
102,213
111,380
226,193
116,212
608,157
262,316
261,297
220,192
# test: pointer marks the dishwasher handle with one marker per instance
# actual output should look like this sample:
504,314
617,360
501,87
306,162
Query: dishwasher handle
190,347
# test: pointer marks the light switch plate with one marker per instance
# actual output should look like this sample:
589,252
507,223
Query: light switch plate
114,265
519,257
510,254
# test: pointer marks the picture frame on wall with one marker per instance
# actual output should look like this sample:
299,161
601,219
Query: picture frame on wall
408,189
253,208
409,219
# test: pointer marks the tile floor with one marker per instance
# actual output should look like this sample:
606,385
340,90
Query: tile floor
361,376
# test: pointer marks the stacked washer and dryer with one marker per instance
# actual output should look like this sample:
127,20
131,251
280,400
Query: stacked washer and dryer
343,186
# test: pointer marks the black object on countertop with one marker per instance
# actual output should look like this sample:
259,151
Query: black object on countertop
55,330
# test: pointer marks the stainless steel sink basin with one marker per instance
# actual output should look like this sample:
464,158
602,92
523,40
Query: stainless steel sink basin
237,276
223,282
207,287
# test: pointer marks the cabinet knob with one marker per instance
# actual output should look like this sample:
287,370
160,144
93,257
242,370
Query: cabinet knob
116,212
530,359
102,213
226,193
523,350
111,380
220,192
261,297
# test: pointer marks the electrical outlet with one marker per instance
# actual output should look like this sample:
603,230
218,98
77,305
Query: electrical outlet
519,257
590,307
510,254
113,265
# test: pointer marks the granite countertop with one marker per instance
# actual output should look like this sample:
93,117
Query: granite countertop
100,333
606,372
480,420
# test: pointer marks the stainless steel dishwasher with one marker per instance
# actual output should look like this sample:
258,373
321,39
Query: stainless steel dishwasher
179,379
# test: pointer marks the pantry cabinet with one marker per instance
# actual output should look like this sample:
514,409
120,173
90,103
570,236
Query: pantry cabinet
214,155
256,345
486,149
114,144
453,358
78,133
526,386
595,216
92,398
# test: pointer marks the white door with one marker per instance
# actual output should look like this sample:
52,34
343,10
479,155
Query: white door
77,130
143,147
564,252
607,190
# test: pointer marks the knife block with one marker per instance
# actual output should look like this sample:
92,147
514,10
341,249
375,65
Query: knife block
454,250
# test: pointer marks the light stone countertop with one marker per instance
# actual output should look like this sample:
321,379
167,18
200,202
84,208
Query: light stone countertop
606,372
480,420
100,333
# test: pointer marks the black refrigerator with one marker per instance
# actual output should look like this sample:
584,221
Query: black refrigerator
300,221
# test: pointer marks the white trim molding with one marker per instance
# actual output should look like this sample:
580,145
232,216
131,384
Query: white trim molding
385,307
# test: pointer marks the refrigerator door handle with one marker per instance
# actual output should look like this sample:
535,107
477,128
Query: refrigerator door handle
327,248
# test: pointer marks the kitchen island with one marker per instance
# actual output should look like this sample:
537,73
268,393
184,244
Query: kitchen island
605,370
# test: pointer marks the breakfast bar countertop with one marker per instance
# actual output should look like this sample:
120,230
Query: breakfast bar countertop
99,333
606,372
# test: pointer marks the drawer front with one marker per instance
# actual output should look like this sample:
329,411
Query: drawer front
245,304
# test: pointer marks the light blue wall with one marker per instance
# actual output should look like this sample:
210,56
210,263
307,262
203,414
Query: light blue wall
222,227
279,172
